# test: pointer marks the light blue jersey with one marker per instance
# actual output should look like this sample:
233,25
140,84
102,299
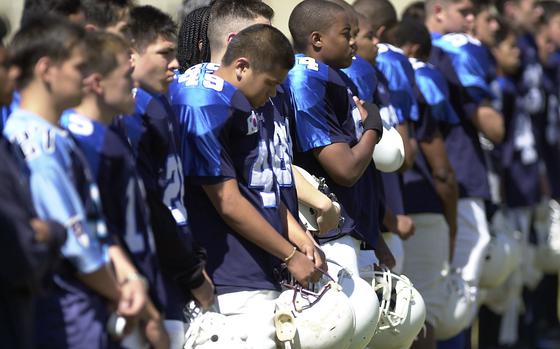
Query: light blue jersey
58,189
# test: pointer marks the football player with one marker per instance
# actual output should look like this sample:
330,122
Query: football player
108,87
462,142
49,53
152,133
430,188
233,192
334,137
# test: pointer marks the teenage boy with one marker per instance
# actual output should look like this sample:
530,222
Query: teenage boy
431,191
49,53
30,246
108,92
334,137
152,133
233,192
462,142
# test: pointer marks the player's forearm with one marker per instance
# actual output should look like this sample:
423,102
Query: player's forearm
121,263
309,195
490,122
242,217
346,165
448,194
103,282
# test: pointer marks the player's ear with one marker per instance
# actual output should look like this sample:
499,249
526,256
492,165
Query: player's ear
230,37
379,32
316,40
92,83
43,69
134,55
242,65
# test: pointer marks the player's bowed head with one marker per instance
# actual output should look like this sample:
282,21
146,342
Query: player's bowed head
256,61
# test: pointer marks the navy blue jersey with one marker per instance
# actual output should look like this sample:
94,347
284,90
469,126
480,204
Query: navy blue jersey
122,194
362,74
325,114
400,75
223,139
278,111
471,61
519,163
152,132
365,77
462,142
419,192
71,315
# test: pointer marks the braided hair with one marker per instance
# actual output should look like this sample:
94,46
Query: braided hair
193,31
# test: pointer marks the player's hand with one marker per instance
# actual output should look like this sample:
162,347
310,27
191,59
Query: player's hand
404,227
302,268
383,254
156,334
361,109
328,218
133,298
204,294
41,229
314,252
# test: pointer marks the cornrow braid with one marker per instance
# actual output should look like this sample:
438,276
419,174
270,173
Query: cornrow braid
193,31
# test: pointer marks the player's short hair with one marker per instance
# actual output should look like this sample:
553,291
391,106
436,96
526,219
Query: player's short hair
194,31
146,24
503,32
105,13
416,11
410,31
102,50
311,16
381,13
265,47
43,36
228,16
33,8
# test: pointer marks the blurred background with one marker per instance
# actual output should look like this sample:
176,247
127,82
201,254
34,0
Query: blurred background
11,9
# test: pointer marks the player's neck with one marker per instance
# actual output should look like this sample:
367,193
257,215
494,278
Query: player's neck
228,74
93,109
36,99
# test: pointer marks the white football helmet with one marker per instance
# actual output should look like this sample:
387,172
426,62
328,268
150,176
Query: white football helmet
460,307
364,302
211,330
403,311
547,226
498,260
308,320
307,214
388,154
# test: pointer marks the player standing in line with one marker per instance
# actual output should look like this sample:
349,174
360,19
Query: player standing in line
49,52
152,133
108,93
233,192
430,188
463,146
227,18
30,246
400,77
334,139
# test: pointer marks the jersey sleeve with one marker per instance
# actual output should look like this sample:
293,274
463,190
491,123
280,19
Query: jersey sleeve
472,74
316,123
436,98
55,197
204,149
401,88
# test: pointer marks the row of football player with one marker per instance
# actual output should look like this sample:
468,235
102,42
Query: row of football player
255,121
